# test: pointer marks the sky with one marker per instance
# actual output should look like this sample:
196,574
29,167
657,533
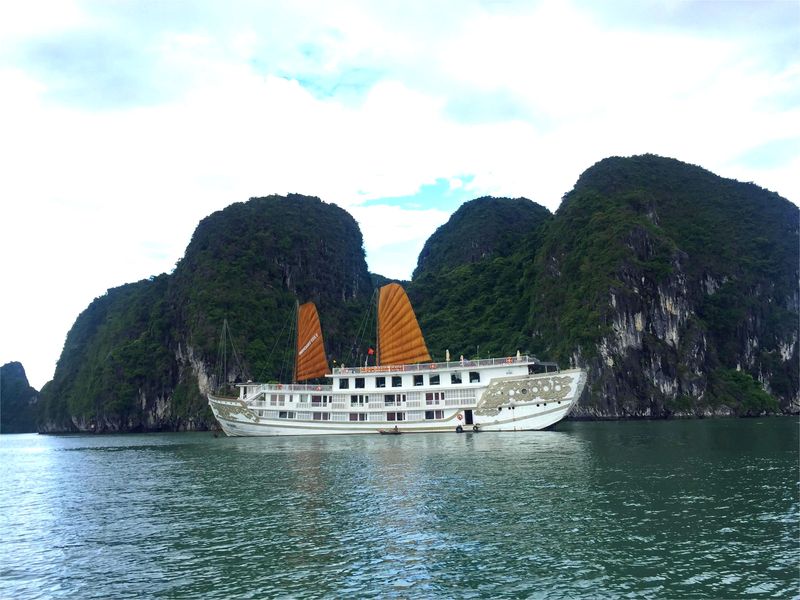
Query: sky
124,123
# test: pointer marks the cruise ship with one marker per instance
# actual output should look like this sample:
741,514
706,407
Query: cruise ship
404,392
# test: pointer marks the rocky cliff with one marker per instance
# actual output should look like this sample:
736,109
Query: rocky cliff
18,400
676,288
142,356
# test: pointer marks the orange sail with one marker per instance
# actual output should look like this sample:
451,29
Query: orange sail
310,358
400,340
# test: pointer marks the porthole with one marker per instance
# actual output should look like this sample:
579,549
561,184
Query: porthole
523,391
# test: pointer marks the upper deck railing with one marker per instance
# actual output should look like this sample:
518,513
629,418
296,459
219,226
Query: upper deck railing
285,387
523,359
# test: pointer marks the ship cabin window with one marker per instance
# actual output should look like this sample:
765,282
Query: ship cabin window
417,379
358,416
284,414
393,399
397,381
322,416
434,380
380,382
434,414
358,399
395,416
455,377
277,400
537,368
474,377
344,383
359,383
320,400
434,397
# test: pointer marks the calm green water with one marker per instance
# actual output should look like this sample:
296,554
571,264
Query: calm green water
640,510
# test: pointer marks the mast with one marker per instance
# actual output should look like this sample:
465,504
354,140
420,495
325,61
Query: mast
377,330
296,335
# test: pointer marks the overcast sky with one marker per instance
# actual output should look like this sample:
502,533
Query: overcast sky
122,124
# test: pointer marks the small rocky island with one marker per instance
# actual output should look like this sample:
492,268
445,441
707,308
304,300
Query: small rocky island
18,400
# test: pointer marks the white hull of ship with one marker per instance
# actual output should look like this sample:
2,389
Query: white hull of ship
509,399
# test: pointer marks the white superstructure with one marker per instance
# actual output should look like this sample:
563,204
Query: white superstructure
500,394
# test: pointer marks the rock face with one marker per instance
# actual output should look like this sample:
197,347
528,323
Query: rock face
18,400
675,288
141,357
665,279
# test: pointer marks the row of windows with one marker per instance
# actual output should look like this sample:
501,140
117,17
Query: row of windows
359,399
390,416
316,400
393,399
429,415
434,397
397,380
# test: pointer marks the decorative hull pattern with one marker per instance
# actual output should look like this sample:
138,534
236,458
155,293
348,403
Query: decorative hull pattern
486,395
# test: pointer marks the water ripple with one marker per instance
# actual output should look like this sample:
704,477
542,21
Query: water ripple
610,510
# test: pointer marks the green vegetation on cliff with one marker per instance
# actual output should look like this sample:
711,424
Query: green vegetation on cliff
17,400
480,229
676,288
252,261
116,354
134,356
655,274
669,272
468,289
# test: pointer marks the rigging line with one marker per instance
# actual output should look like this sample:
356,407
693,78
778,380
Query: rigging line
236,358
222,358
268,362
290,353
361,331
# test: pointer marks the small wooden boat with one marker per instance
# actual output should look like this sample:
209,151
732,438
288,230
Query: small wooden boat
394,431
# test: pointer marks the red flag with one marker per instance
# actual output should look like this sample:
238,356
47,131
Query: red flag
370,351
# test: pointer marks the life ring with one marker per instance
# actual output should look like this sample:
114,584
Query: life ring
459,429
459,416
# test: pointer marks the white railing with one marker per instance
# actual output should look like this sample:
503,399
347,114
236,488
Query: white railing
257,388
424,367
